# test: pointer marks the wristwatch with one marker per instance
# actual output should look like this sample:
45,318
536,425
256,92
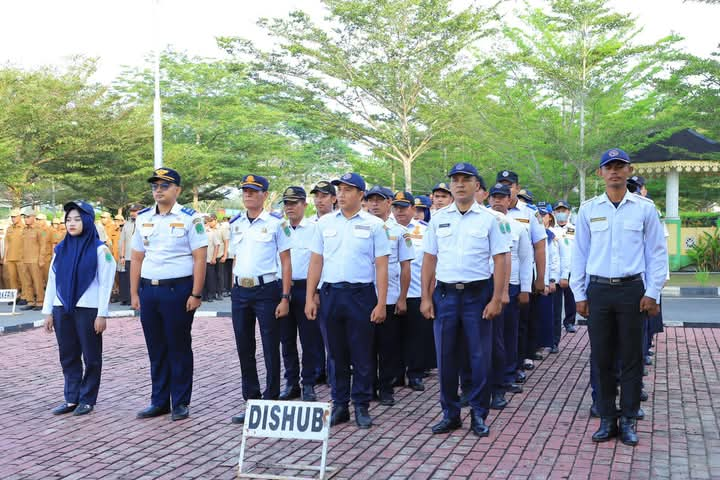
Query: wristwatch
285,296
199,297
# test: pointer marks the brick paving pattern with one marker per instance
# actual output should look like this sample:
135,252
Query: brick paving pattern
543,433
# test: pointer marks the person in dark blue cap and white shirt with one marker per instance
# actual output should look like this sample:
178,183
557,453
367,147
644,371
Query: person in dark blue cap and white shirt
80,281
260,291
167,275
441,196
565,231
350,251
423,205
459,243
619,264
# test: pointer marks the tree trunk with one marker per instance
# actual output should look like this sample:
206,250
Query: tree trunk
407,171
196,198
581,176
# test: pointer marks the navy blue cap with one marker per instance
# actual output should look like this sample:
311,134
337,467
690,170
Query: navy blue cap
255,182
80,205
352,179
442,186
403,199
500,189
637,180
544,207
507,175
561,204
526,195
423,201
384,192
323,187
294,194
612,155
167,174
465,169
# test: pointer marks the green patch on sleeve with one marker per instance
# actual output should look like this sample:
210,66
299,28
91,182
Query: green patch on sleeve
199,228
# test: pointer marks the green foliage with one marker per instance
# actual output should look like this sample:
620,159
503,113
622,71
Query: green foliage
705,254
699,219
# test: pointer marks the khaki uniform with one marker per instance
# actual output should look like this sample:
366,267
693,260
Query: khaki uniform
113,234
47,252
2,257
34,245
56,237
13,257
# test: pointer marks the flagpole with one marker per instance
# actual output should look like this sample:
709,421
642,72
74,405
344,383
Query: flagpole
157,107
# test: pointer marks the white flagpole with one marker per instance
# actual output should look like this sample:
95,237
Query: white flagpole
157,108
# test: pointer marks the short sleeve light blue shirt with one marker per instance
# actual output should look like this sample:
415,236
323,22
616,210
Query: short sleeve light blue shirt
257,244
401,250
301,238
529,219
416,233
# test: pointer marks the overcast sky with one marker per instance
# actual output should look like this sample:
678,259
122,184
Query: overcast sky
119,32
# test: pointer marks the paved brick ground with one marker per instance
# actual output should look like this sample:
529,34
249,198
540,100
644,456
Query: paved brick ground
544,433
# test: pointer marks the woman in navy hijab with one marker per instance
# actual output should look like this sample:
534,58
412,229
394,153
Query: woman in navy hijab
77,296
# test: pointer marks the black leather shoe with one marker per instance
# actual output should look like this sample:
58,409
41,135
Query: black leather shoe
570,329
536,356
520,377
180,412
64,408
648,360
640,415
153,411
37,308
386,399
608,430
308,393
21,302
362,417
628,436
498,401
290,393
554,349
340,414
416,384
238,419
528,365
477,425
512,388
27,307
446,425
594,411
82,409
399,382
644,396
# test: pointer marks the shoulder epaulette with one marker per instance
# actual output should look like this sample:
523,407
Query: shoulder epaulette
647,199
277,215
235,217
588,200
188,211
144,210
531,207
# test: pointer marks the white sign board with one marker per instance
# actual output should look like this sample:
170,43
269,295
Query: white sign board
289,420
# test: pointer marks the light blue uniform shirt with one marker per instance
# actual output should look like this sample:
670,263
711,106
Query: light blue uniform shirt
566,244
529,219
257,245
416,233
301,238
618,242
464,244
350,246
401,250
168,241
521,255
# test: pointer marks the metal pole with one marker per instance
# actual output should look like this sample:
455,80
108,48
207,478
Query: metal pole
157,108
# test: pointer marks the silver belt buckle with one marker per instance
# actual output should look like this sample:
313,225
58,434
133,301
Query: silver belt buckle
247,282
459,286
615,280
155,282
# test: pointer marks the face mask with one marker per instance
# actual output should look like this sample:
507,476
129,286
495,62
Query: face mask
561,216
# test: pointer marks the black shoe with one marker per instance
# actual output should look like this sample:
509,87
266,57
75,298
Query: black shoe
399,382
594,411
386,399
21,302
446,425
226,294
608,430
27,307
340,414
536,356
464,402
180,412
38,309
416,384
153,411
308,393
82,409
644,396
477,425
628,435
648,360
64,408
238,419
570,328
290,393
520,377
528,365
512,388
124,302
554,349
640,415
426,374
362,417
498,401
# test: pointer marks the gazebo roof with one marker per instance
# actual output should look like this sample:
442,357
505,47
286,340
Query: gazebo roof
686,150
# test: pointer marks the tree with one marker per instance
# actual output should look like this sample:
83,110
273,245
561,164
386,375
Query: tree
379,68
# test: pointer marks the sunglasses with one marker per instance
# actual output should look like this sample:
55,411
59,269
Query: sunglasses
160,186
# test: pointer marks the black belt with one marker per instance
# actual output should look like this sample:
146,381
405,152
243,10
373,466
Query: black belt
615,281
347,285
464,286
166,281
300,283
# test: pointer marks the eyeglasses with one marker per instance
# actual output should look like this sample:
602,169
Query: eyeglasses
160,186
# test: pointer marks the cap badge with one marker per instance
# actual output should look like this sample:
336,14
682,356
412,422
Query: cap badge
347,176
418,202
161,171
249,179
505,173
460,166
613,153
400,196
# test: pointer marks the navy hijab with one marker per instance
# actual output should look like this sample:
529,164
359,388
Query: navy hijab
76,263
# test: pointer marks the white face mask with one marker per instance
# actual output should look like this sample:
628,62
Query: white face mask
561,216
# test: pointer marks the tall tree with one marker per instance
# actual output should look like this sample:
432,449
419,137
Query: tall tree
380,67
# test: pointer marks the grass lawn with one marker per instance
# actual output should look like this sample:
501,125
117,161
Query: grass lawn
690,280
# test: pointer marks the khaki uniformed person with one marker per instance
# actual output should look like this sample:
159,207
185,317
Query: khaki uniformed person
34,245
41,222
13,254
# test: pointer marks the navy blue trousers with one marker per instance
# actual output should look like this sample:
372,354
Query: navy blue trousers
388,351
511,319
78,343
544,315
345,323
458,318
418,341
313,349
247,305
167,327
